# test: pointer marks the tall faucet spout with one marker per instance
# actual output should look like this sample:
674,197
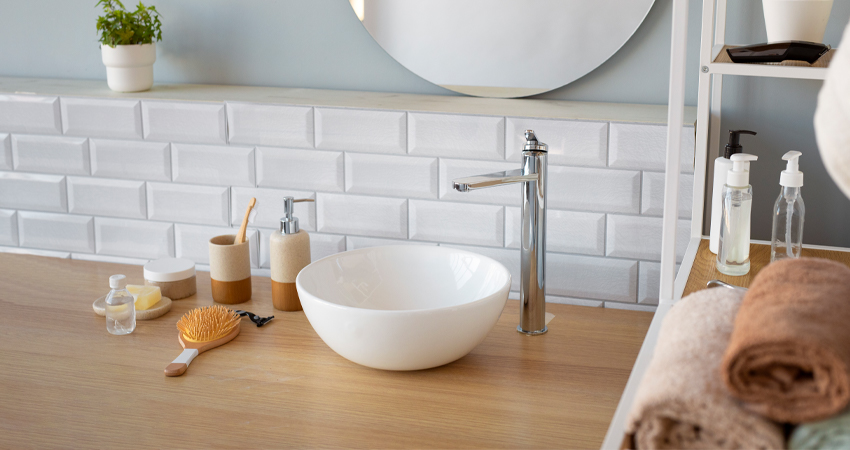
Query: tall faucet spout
493,179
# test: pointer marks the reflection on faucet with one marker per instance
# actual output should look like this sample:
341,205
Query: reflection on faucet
532,175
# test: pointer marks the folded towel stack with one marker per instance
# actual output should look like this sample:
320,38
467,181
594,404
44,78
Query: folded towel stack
789,354
682,402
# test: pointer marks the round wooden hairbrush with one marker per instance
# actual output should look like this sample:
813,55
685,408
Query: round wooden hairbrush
202,329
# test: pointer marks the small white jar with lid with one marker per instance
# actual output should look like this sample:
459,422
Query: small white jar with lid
174,276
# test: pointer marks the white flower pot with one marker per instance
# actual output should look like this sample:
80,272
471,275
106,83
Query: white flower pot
796,20
129,68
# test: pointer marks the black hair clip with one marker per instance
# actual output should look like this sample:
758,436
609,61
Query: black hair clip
260,321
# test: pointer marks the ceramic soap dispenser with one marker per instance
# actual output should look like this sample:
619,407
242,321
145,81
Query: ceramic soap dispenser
289,252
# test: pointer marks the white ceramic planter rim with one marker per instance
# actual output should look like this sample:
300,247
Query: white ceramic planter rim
137,55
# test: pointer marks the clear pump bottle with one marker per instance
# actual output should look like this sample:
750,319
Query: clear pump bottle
120,307
733,253
786,240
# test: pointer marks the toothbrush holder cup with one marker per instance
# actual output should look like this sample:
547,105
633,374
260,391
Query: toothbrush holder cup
230,270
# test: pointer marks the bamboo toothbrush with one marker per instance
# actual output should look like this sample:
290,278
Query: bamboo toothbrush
240,237
202,329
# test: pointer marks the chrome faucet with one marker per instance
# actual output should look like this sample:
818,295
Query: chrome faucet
532,175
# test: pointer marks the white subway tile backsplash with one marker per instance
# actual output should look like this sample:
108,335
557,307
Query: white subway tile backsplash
450,169
574,301
629,307
649,282
212,164
640,237
321,245
361,215
457,222
274,125
652,194
5,151
300,169
33,191
402,176
56,231
30,114
107,197
509,258
51,154
566,231
150,161
477,137
361,130
591,277
571,143
8,227
269,208
32,251
193,242
97,117
134,238
599,190
201,123
358,242
190,204
644,147
112,260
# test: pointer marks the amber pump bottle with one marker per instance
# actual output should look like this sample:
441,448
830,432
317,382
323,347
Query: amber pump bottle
289,252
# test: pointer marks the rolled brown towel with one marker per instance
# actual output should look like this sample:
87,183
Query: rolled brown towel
681,402
789,355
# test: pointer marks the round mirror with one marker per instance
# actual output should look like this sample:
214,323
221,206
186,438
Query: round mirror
501,48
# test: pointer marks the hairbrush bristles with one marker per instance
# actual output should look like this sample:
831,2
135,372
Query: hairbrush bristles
207,323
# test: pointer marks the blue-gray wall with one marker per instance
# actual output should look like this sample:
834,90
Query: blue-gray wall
321,44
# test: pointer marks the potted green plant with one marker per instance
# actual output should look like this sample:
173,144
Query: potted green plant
128,45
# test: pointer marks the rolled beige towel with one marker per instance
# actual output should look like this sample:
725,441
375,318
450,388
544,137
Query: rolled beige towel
682,402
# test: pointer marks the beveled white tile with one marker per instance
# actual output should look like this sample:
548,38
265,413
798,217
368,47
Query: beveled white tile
361,130
601,190
134,238
149,161
571,142
640,237
56,231
107,197
510,258
573,301
275,125
8,227
212,164
200,123
652,194
566,231
644,147
112,260
30,114
451,169
100,117
51,154
399,176
189,204
591,277
5,151
630,306
193,242
321,245
300,169
33,191
270,209
361,215
457,223
456,136
32,251
358,242
649,282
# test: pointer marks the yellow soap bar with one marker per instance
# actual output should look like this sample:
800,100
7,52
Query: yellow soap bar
146,296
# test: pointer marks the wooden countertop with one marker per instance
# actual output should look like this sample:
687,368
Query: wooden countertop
66,382
705,267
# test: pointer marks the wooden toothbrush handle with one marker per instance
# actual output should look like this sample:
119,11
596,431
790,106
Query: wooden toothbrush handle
240,236
181,363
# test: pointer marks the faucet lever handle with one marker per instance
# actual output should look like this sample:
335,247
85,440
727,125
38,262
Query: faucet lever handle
531,142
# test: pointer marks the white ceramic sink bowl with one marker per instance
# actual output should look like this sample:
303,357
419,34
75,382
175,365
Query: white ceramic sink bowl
404,307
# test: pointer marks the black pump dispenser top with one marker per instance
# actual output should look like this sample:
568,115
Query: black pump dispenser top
733,146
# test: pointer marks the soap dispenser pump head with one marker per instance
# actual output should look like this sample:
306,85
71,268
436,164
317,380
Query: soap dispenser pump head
791,176
289,223
739,176
734,146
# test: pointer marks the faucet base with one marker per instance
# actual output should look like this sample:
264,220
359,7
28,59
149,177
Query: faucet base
532,333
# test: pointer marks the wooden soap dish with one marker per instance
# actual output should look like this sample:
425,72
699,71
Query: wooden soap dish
159,309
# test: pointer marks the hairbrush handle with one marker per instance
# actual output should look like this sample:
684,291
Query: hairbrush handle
181,363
